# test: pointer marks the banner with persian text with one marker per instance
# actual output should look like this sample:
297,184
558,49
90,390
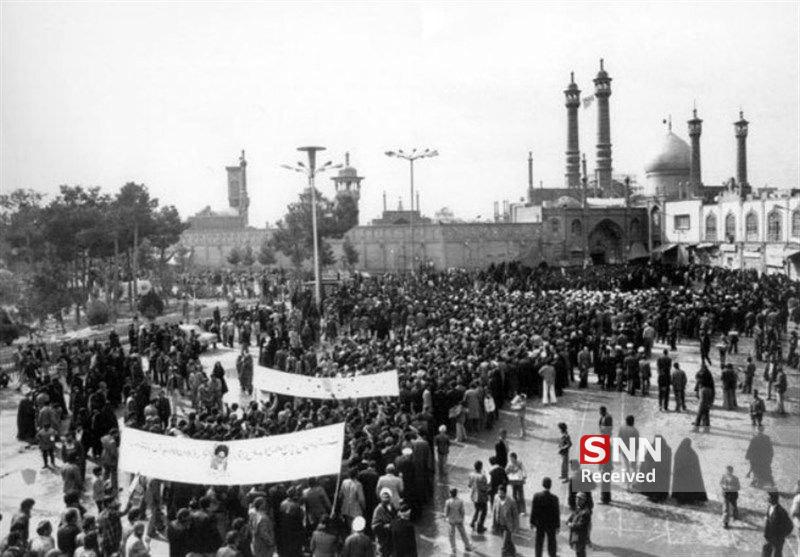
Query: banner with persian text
279,458
307,386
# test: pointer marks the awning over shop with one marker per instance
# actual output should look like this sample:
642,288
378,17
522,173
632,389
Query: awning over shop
790,253
637,252
665,248
706,245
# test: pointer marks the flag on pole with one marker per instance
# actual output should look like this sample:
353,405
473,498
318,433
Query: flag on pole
587,101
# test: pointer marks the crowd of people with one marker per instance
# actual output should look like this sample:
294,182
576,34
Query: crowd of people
464,344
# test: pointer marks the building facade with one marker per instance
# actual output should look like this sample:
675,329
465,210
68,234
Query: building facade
760,231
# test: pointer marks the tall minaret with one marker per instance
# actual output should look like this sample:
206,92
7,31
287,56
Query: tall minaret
602,90
695,130
237,188
530,176
740,130
573,101
244,199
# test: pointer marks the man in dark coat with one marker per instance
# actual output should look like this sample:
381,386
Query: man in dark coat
178,534
546,518
291,534
501,450
404,538
777,527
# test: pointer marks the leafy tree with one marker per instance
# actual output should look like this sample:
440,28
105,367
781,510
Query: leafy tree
234,257
294,234
345,215
167,230
151,305
247,256
266,255
350,253
97,313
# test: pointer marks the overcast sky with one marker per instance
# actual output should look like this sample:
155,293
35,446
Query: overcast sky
168,94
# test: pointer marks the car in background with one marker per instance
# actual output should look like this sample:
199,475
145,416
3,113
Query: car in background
207,340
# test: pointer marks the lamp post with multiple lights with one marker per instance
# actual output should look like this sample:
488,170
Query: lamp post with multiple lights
411,157
311,171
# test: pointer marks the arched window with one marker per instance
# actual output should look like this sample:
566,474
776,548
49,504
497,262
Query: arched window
751,227
796,223
730,228
577,227
555,225
711,228
774,226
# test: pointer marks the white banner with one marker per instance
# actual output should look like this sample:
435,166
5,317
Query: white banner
279,458
306,386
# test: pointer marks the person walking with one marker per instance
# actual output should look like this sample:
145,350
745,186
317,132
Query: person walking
663,365
548,374
262,529
545,518
580,524
729,383
357,543
757,409
454,513
729,484
244,369
678,381
517,476
442,443
780,390
382,519
506,517
564,445
479,486
749,374
704,388
404,538
777,527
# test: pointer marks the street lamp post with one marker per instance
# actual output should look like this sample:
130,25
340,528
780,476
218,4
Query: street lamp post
311,171
411,157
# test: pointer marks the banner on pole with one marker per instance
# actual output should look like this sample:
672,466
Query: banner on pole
278,458
306,386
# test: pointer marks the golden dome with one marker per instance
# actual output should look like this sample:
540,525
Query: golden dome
672,157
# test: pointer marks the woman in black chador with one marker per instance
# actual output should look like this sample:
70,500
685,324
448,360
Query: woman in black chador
687,478
26,419
658,491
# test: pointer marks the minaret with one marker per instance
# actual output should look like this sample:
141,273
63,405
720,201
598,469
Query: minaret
740,130
585,181
530,176
573,101
602,90
244,199
237,188
695,130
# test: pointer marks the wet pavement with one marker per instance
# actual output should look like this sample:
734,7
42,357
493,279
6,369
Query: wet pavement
630,526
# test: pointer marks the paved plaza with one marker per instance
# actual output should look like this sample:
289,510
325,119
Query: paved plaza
630,526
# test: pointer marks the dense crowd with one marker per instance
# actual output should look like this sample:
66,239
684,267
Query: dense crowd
464,344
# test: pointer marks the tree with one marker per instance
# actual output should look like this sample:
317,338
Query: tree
266,255
345,215
167,230
350,253
151,305
234,257
294,234
247,256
